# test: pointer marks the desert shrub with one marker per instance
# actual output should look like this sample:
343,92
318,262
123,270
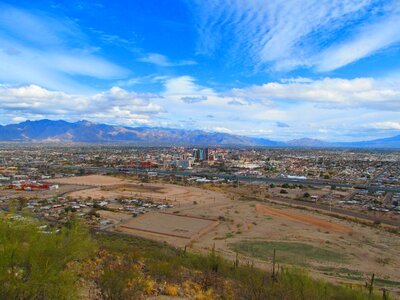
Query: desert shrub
171,290
40,263
120,278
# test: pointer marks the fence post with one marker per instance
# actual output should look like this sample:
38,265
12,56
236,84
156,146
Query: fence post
371,285
273,266
237,259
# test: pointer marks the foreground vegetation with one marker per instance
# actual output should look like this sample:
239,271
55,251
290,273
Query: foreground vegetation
38,262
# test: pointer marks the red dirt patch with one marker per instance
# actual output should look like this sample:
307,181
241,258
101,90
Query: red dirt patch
302,218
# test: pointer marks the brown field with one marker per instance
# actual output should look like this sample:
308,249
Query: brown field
176,229
114,217
298,217
131,187
91,180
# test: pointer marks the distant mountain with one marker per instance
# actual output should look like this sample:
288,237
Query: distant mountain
386,143
88,132
312,143
391,142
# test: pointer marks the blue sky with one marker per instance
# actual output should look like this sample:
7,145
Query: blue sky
327,69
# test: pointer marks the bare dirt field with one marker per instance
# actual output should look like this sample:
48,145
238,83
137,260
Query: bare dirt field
114,217
134,187
267,210
91,180
176,229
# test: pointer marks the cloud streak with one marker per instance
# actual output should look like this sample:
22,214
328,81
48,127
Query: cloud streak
387,125
285,35
163,61
48,52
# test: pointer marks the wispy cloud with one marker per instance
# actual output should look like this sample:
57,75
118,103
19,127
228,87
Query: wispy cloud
387,125
366,40
190,100
284,35
38,49
163,61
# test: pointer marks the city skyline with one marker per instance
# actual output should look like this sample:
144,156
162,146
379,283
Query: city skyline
281,70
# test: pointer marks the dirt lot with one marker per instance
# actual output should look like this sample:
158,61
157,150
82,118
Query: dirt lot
133,187
301,218
91,180
176,229
116,218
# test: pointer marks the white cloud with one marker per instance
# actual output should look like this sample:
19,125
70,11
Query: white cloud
163,61
337,92
367,41
326,34
113,106
37,49
222,129
184,87
387,125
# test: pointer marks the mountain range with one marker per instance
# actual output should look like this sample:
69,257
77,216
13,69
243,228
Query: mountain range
88,132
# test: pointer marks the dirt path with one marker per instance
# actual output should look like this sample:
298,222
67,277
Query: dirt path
302,218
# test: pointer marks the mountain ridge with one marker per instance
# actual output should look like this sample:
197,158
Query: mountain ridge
46,130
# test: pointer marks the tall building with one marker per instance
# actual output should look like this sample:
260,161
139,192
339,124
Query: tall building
206,154
200,154
196,154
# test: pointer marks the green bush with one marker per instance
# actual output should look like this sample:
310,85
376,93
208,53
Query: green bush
36,262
